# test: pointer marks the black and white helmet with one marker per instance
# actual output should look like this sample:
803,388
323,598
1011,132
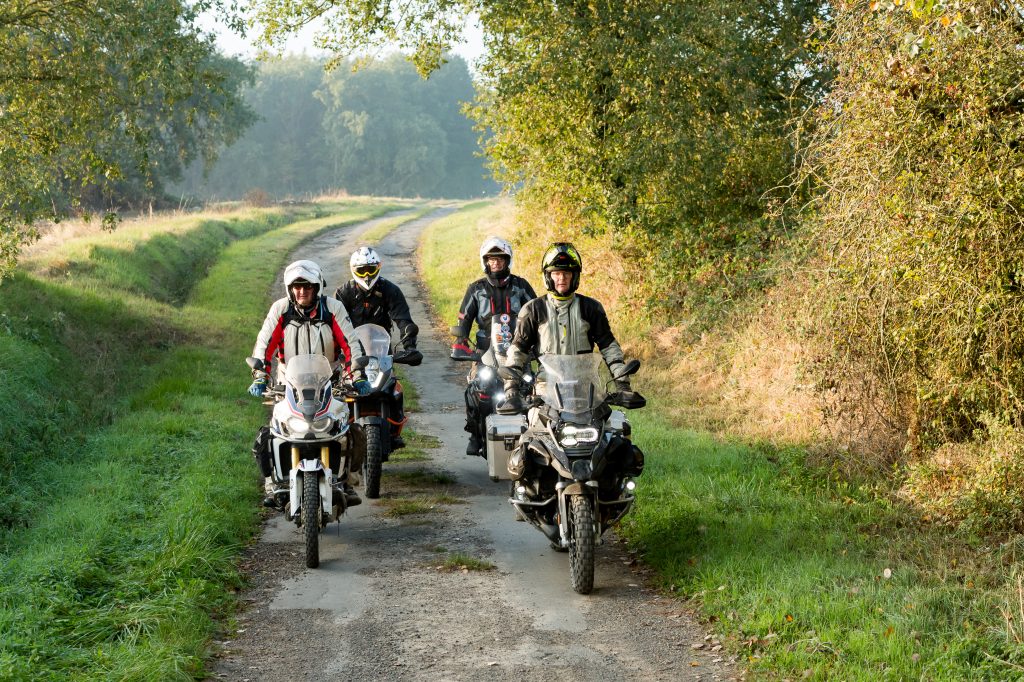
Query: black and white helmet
562,256
365,266
303,271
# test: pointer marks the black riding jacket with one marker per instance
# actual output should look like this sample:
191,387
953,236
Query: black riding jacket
383,304
484,299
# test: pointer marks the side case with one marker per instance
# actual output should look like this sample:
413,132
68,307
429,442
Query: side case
503,433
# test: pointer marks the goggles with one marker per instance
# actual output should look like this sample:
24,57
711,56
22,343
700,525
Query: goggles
303,285
366,270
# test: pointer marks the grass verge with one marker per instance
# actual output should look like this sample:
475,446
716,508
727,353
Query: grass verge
132,490
802,576
465,563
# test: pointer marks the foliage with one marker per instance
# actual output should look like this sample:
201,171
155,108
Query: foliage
920,153
390,132
95,92
978,485
381,131
664,122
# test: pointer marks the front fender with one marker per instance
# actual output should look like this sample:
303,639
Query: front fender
307,467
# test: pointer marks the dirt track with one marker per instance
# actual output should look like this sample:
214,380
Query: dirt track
379,607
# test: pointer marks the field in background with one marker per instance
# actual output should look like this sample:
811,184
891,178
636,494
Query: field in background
801,577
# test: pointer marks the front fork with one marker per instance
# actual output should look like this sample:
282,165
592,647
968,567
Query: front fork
321,468
564,489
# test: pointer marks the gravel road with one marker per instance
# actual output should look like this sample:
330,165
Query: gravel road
382,607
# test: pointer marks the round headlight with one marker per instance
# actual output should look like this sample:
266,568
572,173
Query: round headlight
298,425
486,374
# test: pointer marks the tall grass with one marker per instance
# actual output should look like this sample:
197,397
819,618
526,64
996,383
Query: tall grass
449,254
802,576
132,485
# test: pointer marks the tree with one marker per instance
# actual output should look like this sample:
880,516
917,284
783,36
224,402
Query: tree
663,121
390,132
94,90
379,130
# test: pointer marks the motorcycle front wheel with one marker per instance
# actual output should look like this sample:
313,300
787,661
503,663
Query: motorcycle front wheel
311,518
581,543
374,459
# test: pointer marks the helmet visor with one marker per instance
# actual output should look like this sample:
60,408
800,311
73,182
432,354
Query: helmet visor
368,270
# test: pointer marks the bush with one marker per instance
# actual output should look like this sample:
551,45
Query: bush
979,485
257,198
921,149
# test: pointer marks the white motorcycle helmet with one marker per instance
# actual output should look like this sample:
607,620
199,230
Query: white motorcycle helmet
495,246
307,271
365,266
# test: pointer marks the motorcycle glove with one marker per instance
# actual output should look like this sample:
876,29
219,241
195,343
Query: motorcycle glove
512,404
258,386
622,385
362,387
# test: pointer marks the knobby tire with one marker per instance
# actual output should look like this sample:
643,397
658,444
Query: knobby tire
581,543
311,517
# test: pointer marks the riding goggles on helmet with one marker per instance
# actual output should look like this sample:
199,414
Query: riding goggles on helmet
368,270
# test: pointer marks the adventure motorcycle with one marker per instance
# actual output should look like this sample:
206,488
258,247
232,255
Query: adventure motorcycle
310,448
485,389
375,411
574,466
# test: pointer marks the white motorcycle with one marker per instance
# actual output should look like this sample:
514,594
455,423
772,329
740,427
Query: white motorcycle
311,447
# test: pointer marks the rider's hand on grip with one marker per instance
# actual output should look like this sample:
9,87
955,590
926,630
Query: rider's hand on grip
362,386
258,386
513,403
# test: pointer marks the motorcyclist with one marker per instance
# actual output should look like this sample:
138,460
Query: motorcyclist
371,299
562,323
497,292
304,321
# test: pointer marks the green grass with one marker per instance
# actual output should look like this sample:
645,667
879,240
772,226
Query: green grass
802,576
410,505
449,256
464,562
420,477
125,477
396,508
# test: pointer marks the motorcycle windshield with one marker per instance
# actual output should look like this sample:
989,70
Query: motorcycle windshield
310,377
374,339
572,383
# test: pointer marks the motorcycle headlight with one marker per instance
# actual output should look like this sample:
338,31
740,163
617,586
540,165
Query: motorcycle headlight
323,424
298,425
486,373
573,435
